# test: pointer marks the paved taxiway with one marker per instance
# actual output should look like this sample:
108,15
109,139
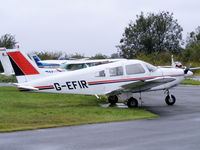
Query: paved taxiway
177,128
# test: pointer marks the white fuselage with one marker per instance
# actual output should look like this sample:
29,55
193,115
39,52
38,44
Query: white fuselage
105,79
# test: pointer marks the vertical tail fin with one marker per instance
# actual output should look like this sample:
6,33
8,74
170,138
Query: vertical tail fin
175,64
172,62
36,59
8,70
25,70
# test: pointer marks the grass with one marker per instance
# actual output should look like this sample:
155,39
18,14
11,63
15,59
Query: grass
4,79
190,82
24,111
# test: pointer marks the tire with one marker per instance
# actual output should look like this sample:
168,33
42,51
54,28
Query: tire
113,99
170,100
132,103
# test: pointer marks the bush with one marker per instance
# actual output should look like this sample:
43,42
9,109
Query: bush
158,60
4,79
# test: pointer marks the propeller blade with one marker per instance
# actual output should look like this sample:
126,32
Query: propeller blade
187,69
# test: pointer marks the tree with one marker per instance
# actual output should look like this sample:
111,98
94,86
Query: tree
99,56
154,33
193,37
46,55
115,55
77,56
8,41
192,51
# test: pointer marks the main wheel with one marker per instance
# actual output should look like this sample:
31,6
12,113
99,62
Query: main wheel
132,103
113,99
170,99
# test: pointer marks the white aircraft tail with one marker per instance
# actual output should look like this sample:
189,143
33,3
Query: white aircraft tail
175,64
34,57
25,69
8,70
172,62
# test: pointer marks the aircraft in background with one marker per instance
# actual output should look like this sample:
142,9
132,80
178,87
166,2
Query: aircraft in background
177,64
46,63
70,66
80,64
117,80
8,69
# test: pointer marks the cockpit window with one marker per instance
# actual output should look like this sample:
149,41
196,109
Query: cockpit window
134,69
63,66
151,68
100,74
116,71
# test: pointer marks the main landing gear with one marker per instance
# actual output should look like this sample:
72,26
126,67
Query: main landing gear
131,102
113,99
170,99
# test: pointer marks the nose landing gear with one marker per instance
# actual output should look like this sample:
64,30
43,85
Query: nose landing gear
113,99
170,99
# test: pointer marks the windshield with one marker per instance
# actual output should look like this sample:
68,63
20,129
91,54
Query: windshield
150,67
71,67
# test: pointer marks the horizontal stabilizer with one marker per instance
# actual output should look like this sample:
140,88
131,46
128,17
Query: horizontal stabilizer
22,88
3,73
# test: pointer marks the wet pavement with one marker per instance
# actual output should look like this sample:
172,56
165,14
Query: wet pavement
196,78
6,84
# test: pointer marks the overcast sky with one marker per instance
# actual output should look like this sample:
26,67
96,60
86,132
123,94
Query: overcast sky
84,26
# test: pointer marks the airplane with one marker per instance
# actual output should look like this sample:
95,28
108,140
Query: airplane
7,67
46,63
80,64
177,64
117,80
70,66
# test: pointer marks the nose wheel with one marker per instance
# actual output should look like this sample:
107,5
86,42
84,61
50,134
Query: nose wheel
170,99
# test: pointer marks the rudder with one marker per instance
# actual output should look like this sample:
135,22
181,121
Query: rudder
25,70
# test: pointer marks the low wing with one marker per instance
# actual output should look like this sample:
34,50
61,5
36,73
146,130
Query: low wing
195,68
142,85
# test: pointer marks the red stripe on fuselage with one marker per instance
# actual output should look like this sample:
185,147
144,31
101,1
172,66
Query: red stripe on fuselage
48,86
26,67
130,79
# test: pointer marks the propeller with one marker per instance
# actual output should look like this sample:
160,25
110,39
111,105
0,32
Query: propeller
187,69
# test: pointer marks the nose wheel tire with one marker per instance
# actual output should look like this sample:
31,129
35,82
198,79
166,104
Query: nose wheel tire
170,99
113,99
132,103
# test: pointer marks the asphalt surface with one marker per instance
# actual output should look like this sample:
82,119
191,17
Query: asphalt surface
177,128
6,84
196,78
